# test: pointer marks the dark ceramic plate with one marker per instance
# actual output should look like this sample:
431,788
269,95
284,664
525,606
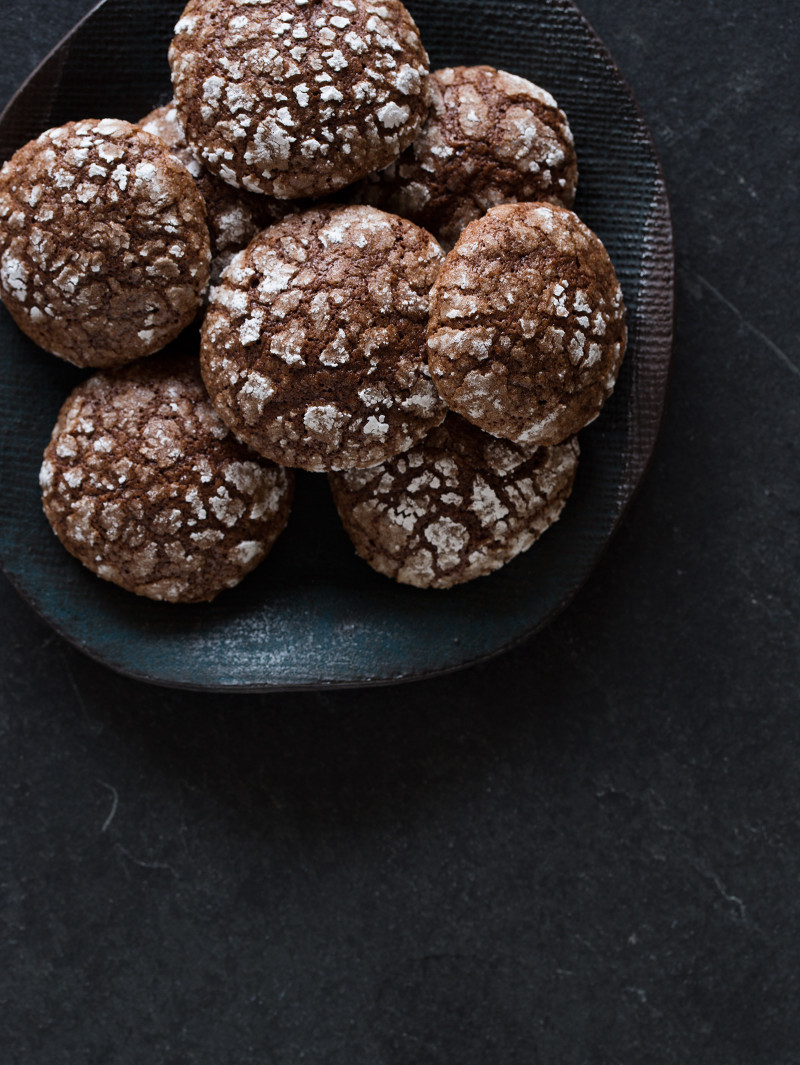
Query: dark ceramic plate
314,615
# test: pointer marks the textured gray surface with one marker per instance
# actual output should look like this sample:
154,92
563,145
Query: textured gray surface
585,850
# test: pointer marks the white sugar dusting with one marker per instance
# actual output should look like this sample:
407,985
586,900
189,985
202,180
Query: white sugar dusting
376,426
393,115
250,330
324,420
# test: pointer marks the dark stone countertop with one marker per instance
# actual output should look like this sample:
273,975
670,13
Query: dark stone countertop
586,850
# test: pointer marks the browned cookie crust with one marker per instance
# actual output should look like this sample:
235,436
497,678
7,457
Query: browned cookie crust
234,215
143,484
458,505
527,325
490,138
104,248
313,348
298,97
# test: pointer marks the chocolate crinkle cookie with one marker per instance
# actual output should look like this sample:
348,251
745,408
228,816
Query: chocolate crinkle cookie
527,325
104,247
313,348
490,138
143,484
458,505
298,97
234,215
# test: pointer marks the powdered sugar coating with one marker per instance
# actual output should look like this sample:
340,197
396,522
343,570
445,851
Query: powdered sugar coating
458,505
104,248
298,99
144,484
234,215
527,325
490,137
313,348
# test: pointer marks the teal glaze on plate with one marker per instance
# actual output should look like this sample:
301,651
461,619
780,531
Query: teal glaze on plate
314,615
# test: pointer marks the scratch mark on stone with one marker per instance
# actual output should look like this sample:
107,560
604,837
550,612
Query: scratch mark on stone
114,804
672,136
715,880
144,865
76,690
587,944
748,325
729,898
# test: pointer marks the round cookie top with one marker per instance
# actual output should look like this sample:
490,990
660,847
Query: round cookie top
234,215
458,505
489,138
527,325
104,248
313,348
143,483
298,97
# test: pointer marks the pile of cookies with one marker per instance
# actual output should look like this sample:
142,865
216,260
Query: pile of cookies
401,298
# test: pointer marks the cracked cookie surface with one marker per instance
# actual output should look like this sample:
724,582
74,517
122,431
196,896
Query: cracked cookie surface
459,505
527,324
313,348
144,484
490,138
104,247
298,97
234,215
